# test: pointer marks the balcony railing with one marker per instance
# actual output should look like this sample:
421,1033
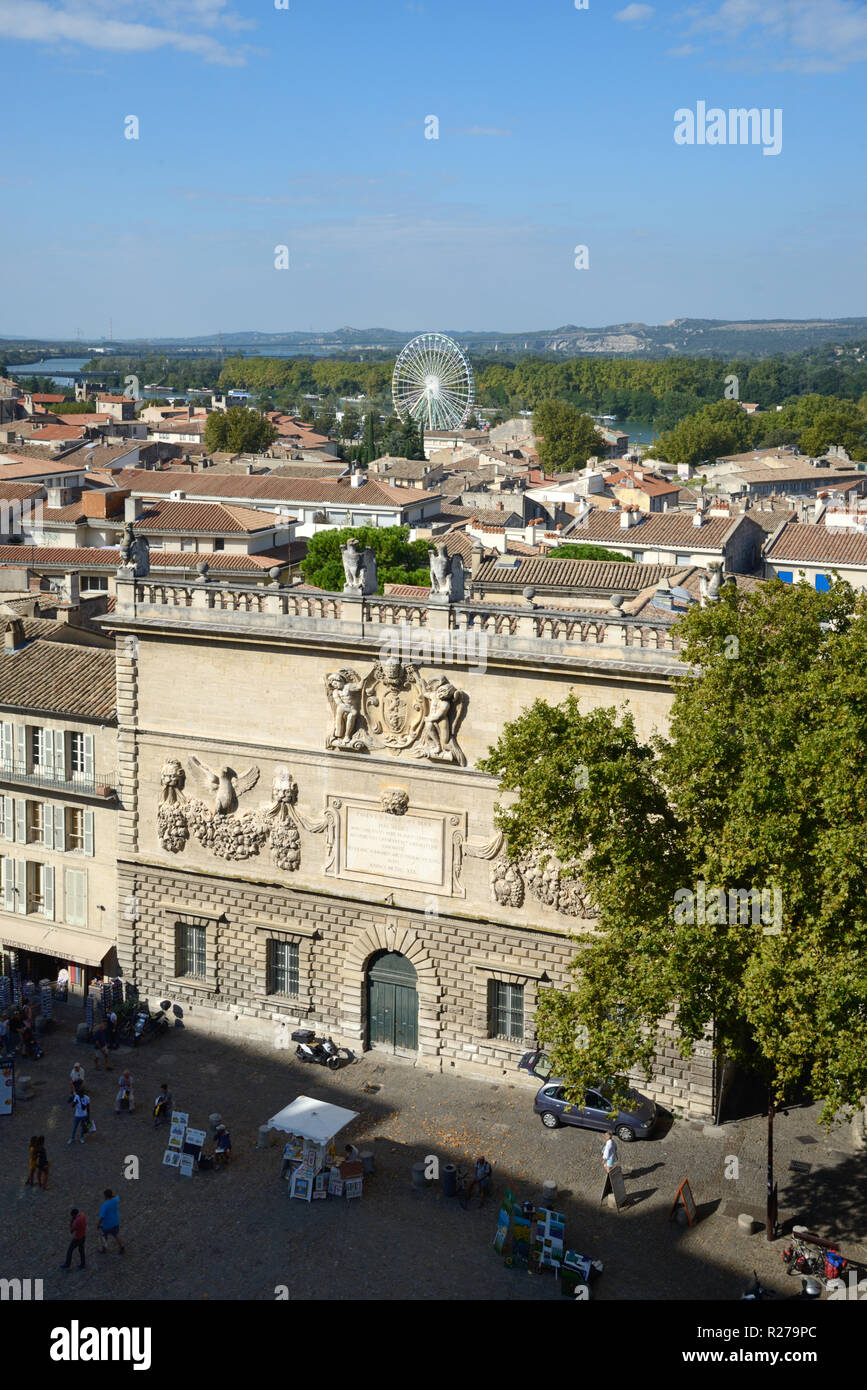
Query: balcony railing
50,779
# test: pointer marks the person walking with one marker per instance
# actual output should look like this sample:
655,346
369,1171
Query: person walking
100,1048
4,1035
609,1152
223,1150
82,1117
109,1221
42,1163
162,1105
124,1089
78,1231
76,1080
34,1143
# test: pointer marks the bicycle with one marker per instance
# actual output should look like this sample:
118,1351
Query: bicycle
800,1258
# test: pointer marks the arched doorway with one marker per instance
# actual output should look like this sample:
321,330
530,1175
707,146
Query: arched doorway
392,1003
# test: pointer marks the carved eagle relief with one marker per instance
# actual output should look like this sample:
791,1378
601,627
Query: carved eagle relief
226,785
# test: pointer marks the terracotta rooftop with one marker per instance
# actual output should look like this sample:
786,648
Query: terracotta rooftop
212,518
108,558
820,544
36,467
61,679
670,529
228,487
547,572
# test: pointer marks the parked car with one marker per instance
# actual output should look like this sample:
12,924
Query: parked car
596,1113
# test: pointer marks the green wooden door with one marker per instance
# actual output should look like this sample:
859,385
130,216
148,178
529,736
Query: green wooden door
392,1003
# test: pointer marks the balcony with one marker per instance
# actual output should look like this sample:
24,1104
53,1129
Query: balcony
98,784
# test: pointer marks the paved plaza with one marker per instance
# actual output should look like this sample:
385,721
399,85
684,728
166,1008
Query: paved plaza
234,1234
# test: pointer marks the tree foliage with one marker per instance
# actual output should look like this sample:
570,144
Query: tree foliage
398,560
761,783
238,430
566,437
588,552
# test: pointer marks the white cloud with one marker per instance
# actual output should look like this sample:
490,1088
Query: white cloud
118,27
795,35
634,14
482,130
684,51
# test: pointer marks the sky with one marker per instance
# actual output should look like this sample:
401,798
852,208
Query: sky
306,128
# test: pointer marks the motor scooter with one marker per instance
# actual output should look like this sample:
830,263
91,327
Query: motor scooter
313,1049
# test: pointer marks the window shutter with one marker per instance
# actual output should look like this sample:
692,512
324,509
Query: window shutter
21,883
59,828
8,744
87,818
48,891
21,821
60,752
8,824
21,737
48,825
88,755
47,748
8,869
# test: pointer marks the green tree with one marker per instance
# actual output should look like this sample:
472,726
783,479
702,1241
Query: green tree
238,430
566,437
398,560
350,423
760,784
587,552
714,431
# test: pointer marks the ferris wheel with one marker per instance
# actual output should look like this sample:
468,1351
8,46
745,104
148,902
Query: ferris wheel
433,383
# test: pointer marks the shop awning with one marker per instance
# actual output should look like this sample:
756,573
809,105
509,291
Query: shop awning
315,1120
79,947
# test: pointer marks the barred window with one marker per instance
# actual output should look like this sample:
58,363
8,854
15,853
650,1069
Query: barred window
191,944
283,968
506,1010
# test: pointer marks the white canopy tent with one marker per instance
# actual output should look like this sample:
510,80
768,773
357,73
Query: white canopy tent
315,1120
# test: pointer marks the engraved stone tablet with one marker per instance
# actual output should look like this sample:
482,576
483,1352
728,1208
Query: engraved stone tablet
406,848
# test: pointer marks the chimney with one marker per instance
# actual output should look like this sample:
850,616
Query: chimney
13,635
477,559
357,478
698,519
132,508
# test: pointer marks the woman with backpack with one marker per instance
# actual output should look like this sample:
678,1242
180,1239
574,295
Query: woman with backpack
82,1118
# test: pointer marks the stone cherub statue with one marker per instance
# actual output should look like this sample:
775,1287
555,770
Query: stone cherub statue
359,568
343,689
446,574
135,552
444,709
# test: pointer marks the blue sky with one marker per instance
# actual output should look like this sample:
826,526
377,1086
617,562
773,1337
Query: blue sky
305,127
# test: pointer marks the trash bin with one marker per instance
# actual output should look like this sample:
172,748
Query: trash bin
450,1180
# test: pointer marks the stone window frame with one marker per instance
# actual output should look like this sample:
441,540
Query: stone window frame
176,916
301,936
486,971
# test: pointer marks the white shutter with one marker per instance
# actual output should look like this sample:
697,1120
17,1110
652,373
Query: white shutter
8,822
76,897
8,870
48,749
88,755
48,891
60,753
21,884
87,817
48,825
59,828
21,821
21,739
7,749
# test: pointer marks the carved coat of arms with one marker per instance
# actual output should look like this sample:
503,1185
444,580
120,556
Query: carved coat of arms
393,704
394,709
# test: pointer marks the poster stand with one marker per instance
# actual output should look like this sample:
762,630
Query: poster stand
684,1194
614,1184
7,1086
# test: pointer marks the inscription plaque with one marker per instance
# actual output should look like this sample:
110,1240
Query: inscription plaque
394,847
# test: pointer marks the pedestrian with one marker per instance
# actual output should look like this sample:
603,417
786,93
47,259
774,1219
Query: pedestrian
481,1179
62,987
42,1163
109,1221
162,1105
609,1152
34,1143
223,1150
4,1035
125,1089
100,1048
352,1154
78,1231
76,1080
82,1117
112,1030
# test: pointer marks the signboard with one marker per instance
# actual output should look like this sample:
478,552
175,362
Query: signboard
179,1118
7,1087
176,1136
46,1000
171,1159
614,1183
684,1194
5,993
196,1137
394,847
186,1162
88,1010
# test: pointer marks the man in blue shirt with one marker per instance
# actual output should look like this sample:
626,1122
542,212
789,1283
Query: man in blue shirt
109,1221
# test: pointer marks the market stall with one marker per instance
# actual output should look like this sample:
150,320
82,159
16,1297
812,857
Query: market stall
310,1163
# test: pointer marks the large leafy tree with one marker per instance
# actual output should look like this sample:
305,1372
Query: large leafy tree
716,430
398,560
761,783
566,437
587,552
239,430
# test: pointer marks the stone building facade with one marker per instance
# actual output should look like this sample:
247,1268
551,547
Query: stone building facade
304,837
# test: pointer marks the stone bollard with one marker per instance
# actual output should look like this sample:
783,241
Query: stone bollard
419,1181
747,1224
82,1033
24,1088
549,1193
266,1137
214,1120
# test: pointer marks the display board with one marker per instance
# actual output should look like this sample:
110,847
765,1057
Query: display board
7,1087
614,1183
171,1159
186,1163
46,999
684,1194
176,1137
5,993
88,1010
